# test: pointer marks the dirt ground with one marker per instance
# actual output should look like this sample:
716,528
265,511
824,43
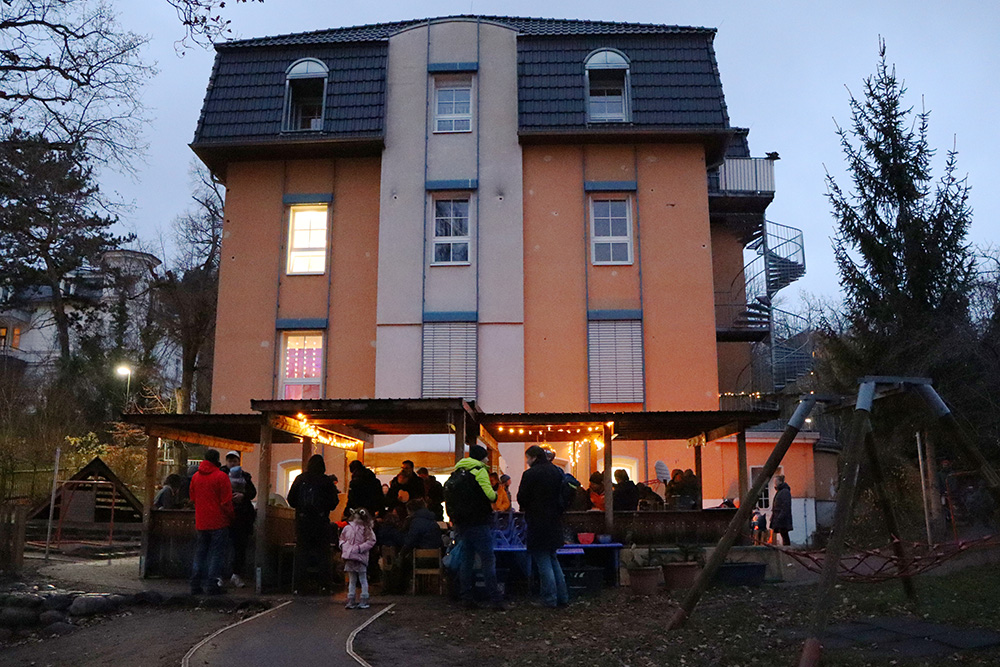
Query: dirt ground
732,627
149,637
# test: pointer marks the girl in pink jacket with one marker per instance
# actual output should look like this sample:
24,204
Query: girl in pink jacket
356,541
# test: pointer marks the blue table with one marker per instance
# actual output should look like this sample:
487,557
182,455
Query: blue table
607,555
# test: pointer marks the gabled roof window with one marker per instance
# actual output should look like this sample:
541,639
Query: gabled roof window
305,96
607,87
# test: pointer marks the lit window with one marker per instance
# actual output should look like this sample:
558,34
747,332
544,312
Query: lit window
611,231
453,106
764,500
305,96
614,350
302,366
451,231
3,336
607,87
307,240
15,339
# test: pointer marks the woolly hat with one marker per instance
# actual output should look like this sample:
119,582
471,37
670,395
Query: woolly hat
478,452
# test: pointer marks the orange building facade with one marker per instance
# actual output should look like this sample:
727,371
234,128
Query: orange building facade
537,215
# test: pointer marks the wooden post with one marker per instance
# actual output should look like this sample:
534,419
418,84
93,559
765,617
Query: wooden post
889,515
738,524
149,492
307,451
699,477
458,423
263,495
842,515
937,513
743,471
609,486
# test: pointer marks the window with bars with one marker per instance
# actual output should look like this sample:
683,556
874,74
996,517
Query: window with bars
611,230
449,360
453,106
615,361
451,231
301,366
307,240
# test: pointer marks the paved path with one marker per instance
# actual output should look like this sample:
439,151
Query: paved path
891,637
306,632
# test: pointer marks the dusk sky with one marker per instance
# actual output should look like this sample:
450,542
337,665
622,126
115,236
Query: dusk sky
786,69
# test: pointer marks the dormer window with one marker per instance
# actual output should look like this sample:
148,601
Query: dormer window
607,87
305,96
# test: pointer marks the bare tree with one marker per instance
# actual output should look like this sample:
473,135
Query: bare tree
202,21
69,72
189,291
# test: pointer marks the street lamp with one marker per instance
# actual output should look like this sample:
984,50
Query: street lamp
127,372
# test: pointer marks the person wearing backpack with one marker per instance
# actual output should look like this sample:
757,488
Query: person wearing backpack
541,498
468,497
314,496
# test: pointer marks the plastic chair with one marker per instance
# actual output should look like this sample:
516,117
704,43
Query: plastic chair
427,563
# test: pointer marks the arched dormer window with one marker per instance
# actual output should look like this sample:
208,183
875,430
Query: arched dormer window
305,95
607,87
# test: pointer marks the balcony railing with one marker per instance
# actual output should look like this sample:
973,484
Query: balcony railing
743,175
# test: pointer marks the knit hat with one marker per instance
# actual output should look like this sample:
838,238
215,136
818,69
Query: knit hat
478,452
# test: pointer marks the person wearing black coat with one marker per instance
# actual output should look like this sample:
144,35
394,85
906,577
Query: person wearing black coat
540,498
364,490
314,496
781,509
626,496
433,493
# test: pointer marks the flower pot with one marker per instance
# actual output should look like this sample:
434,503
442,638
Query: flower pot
644,580
680,575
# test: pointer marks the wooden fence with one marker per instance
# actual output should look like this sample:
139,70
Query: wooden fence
12,522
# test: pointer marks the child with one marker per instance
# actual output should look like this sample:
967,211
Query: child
356,541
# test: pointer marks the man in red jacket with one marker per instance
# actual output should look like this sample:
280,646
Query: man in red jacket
212,496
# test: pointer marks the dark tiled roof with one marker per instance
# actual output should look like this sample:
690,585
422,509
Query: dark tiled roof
246,94
674,80
525,26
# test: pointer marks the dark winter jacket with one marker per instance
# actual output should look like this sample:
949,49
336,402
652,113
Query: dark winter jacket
424,532
540,498
480,505
781,508
212,497
626,496
365,491
434,497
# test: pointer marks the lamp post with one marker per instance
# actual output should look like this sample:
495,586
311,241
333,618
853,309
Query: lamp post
127,372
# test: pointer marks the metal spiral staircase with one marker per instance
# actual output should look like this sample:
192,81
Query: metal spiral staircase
746,313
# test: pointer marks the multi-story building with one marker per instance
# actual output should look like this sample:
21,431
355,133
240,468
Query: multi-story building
540,215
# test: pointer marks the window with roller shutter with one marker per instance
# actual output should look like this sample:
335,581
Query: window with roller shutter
615,359
449,361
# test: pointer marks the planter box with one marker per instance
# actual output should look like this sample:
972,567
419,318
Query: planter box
740,574
644,580
680,575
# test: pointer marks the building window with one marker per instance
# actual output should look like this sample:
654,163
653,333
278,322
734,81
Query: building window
453,105
307,240
10,337
305,96
607,87
611,230
449,360
764,500
615,361
451,231
302,366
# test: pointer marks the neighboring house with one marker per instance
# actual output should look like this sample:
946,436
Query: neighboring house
541,215
121,279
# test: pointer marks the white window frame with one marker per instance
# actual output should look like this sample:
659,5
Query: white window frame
453,239
609,60
444,122
610,239
764,499
284,380
615,361
303,70
311,251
